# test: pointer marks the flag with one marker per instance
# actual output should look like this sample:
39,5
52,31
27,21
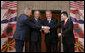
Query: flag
11,4
8,25
8,45
77,5
78,46
77,16
8,15
8,30
3,5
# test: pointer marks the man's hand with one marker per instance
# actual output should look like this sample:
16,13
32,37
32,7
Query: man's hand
46,29
59,34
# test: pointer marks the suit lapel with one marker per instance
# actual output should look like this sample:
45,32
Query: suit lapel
66,23
51,21
62,25
34,20
47,22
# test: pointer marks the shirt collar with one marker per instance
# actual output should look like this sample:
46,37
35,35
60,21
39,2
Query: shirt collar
49,19
36,19
66,20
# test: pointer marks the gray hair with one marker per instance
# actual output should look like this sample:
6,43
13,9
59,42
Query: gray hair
36,11
48,11
26,9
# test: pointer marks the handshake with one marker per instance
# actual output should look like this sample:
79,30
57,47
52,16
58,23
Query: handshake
46,29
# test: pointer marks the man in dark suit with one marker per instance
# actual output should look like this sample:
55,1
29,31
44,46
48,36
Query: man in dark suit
23,23
51,37
36,33
67,33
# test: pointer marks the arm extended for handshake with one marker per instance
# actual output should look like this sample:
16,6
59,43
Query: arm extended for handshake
39,27
46,29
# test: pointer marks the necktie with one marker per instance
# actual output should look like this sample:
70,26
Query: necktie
37,20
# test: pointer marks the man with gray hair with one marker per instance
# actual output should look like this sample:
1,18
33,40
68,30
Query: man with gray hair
22,30
51,36
23,23
36,33
28,11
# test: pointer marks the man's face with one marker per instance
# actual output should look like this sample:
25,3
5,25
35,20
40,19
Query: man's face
63,17
37,15
48,15
29,12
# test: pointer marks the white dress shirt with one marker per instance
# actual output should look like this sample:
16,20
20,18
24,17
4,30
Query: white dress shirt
49,20
66,20
36,19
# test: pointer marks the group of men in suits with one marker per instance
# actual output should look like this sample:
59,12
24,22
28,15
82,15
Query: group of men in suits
48,27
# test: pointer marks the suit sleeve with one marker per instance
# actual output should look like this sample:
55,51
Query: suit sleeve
70,27
56,25
31,24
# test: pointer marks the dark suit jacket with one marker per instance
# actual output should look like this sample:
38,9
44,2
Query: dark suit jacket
53,31
23,23
36,33
68,32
